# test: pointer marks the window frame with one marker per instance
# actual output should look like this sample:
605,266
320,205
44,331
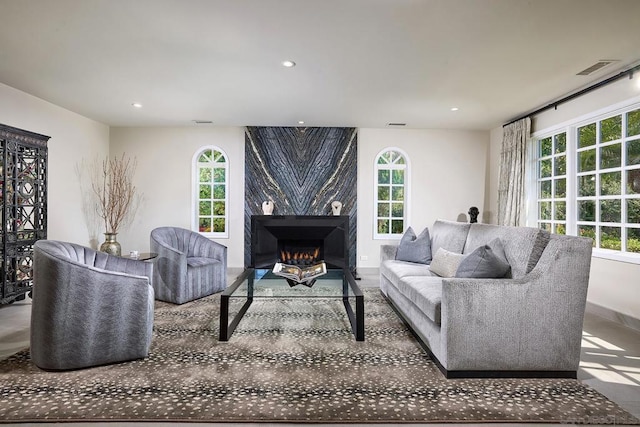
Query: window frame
406,185
571,128
195,193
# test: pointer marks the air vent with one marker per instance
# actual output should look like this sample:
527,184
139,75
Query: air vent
596,67
396,124
202,122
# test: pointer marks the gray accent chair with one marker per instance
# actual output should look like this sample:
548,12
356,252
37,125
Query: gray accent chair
89,308
189,266
528,324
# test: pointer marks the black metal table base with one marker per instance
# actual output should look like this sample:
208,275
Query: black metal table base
356,317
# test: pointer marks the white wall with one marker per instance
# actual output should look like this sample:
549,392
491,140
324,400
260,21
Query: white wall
447,179
448,173
613,285
73,137
163,177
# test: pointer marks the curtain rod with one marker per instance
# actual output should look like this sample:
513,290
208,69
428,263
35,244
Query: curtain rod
567,98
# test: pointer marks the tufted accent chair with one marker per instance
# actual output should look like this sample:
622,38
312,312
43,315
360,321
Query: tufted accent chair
88,308
189,266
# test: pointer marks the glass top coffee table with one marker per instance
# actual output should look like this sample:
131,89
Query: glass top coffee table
263,284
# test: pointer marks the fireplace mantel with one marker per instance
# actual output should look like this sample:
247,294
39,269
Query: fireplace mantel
268,230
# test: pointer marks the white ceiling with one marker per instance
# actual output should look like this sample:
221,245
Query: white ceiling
360,63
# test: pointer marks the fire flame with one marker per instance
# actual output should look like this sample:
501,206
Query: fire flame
300,255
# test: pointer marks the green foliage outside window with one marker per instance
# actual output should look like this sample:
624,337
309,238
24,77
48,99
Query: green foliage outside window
586,185
205,191
397,226
610,238
398,177
610,156
633,240
212,191
390,200
610,184
560,165
383,193
587,135
561,187
611,129
633,152
560,211
587,160
633,211
560,143
610,210
545,210
633,123
546,147
545,189
397,194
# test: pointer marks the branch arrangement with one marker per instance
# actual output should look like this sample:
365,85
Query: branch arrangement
115,191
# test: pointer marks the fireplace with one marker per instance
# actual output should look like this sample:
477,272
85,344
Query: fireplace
299,239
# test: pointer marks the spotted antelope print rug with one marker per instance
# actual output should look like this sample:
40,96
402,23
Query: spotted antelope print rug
290,360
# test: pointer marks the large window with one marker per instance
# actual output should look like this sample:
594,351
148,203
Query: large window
552,183
391,183
588,182
210,194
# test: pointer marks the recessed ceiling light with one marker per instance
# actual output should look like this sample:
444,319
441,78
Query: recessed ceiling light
202,122
288,64
300,122
137,105
454,108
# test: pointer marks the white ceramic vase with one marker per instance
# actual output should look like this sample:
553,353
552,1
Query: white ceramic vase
267,207
336,207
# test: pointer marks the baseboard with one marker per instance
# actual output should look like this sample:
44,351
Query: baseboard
233,272
614,316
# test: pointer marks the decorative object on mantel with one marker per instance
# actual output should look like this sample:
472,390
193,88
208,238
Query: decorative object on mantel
267,207
336,207
116,198
473,214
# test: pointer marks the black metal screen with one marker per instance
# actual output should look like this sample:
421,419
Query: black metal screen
23,199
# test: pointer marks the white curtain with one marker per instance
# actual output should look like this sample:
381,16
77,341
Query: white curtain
511,183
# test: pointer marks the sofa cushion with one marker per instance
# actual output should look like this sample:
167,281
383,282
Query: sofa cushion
445,263
486,262
395,270
415,249
448,235
523,246
426,293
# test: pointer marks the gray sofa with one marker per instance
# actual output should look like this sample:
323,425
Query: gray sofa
89,308
528,324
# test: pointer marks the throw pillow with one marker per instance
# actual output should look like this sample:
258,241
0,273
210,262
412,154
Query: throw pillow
445,263
487,261
415,249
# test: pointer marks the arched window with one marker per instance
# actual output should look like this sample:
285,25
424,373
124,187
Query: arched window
210,214
390,199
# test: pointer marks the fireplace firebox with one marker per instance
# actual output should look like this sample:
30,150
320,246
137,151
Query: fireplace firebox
299,239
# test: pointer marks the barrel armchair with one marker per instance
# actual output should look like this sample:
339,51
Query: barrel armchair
189,266
88,308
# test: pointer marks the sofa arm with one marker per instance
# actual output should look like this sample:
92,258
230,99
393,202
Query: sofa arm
531,323
388,252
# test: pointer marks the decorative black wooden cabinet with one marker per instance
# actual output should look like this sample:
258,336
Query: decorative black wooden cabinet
23,200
